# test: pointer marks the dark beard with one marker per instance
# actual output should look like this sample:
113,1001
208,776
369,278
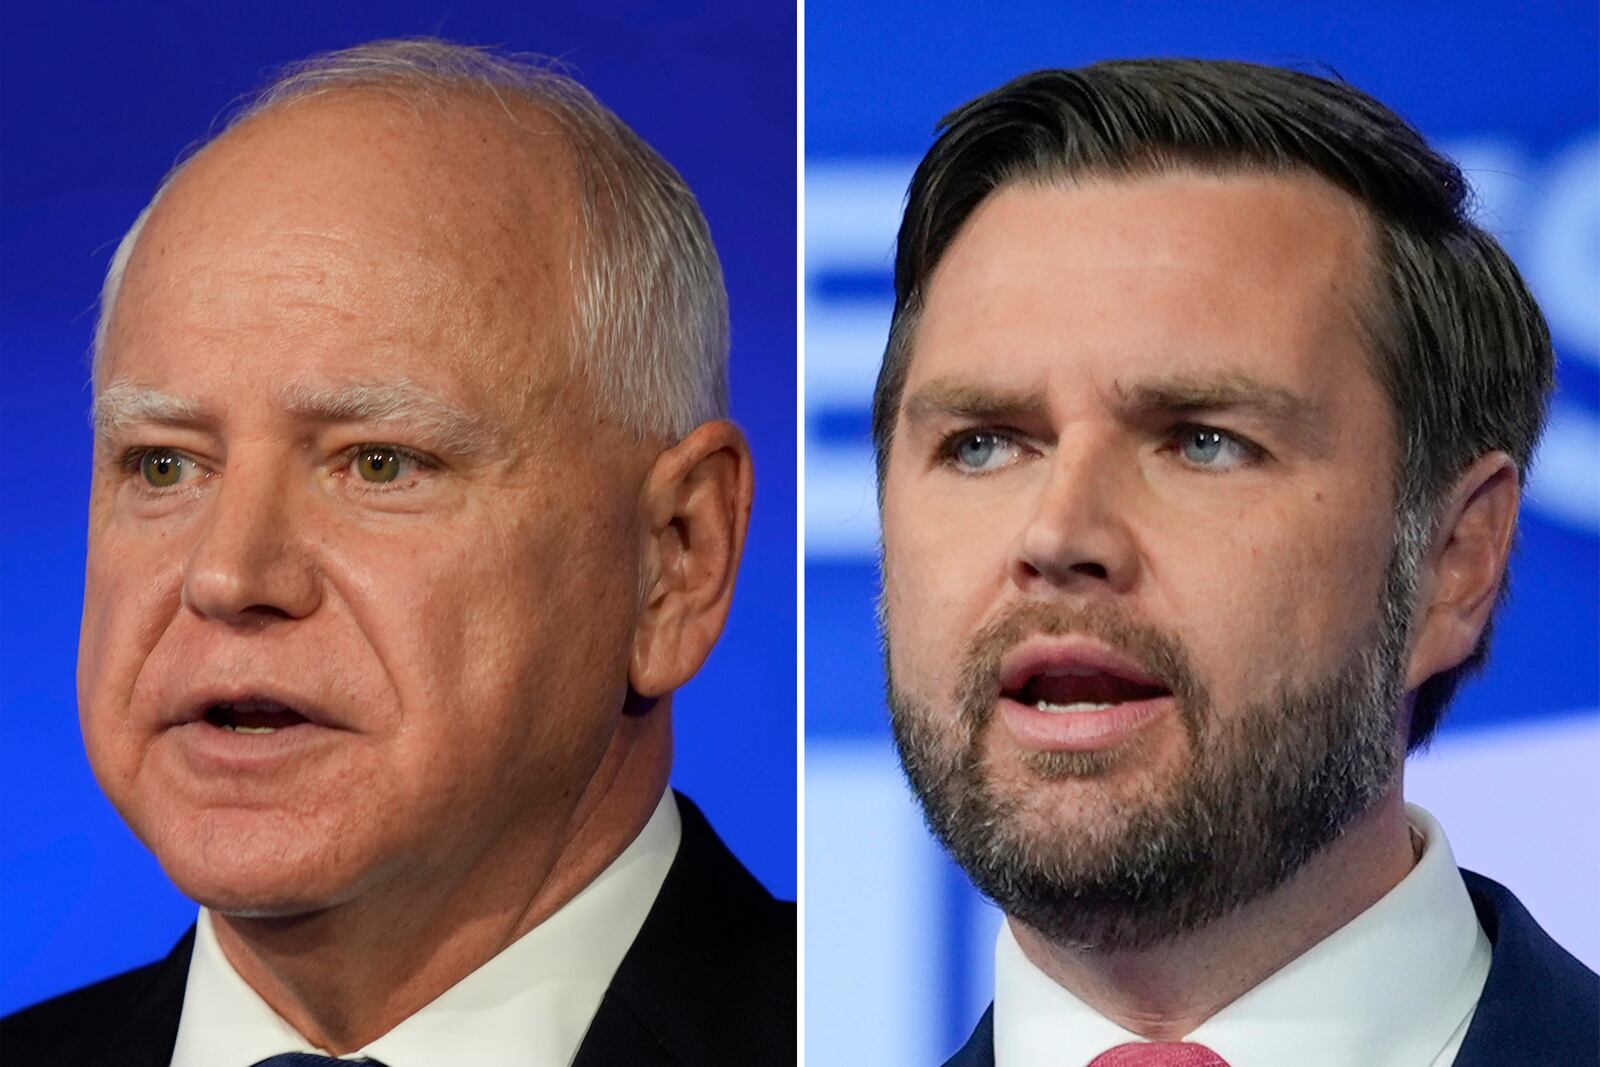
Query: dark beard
1263,791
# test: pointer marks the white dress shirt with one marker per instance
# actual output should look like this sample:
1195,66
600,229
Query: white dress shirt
1394,987
529,1005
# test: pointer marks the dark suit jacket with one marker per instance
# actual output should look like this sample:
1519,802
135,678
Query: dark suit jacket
1539,1007
709,980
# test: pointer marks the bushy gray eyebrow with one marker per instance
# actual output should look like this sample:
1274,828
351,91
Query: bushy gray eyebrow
123,403
399,402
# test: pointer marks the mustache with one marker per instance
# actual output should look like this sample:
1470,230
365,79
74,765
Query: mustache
1155,651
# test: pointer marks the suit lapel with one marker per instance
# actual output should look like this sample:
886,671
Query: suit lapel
156,1005
617,1035
132,1020
979,1049
707,980
710,978
1539,1003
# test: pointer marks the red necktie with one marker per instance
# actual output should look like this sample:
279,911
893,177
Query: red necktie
1159,1054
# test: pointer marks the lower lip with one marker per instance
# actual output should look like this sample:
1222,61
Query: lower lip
1081,731
216,749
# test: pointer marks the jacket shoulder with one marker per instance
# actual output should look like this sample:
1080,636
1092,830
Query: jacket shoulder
979,1049
1540,1004
711,976
130,1018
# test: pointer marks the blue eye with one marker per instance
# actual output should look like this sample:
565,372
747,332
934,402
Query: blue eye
977,452
1213,449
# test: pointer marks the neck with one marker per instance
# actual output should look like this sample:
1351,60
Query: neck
1164,992
347,975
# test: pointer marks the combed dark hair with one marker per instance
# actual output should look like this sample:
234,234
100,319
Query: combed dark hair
1457,342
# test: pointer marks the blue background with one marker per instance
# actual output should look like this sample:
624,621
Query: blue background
99,100
1510,90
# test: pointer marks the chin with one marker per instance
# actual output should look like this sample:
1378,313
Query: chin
255,892
276,873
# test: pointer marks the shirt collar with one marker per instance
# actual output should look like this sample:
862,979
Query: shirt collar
531,1004
1396,984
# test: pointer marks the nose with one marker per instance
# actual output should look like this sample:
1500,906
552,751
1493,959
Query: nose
249,566
1078,536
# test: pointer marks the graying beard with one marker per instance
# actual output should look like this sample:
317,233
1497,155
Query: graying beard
1261,799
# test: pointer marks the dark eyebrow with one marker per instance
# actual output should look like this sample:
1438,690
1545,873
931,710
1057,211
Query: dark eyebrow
1182,396
1194,395
950,398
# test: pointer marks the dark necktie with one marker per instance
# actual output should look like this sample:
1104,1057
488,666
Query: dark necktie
1159,1054
311,1059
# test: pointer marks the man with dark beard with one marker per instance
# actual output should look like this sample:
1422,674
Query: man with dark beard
1201,434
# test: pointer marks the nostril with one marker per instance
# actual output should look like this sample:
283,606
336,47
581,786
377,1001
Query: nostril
1082,569
1064,544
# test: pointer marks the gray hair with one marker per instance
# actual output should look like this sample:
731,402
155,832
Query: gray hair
650,322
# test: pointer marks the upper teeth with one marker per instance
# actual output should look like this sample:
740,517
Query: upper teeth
1082,705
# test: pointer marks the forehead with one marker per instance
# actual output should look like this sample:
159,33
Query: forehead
1181,273
332,236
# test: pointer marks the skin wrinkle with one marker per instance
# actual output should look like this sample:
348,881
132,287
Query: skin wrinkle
122,404
558,117
1155,879
1199,397
475,633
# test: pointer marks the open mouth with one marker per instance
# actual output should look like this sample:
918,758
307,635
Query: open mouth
253,716
1078,690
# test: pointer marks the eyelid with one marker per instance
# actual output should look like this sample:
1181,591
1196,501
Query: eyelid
1253,452
945,452
1243,441
948,441
131,459
349,456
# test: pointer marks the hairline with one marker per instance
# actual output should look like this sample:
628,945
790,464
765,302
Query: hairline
1371,303
596,153
484,97
1417,508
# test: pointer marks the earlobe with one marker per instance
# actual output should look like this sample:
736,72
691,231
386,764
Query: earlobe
1462,573
697,508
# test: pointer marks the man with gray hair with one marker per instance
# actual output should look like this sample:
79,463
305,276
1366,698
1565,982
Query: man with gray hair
414,500
1201,434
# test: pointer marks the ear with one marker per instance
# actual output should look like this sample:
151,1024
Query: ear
1464,568
697,506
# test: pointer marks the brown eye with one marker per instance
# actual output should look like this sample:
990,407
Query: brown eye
378,465
161,468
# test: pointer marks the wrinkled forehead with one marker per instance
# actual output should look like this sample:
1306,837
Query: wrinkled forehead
1259,265
452,221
